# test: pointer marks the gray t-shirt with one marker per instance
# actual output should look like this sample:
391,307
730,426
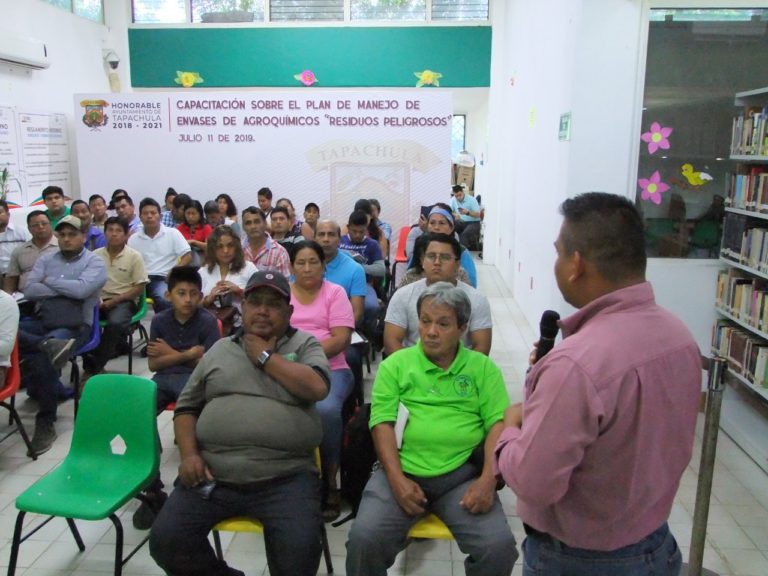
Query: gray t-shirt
249,427
401,311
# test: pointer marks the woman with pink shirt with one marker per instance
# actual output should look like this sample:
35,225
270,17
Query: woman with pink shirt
323,309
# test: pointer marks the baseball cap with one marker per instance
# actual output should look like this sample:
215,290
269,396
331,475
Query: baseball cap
70,220
269,279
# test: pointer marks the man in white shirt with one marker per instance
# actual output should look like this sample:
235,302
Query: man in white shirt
162,249
10,236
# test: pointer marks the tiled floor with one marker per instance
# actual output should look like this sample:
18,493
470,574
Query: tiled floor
738,521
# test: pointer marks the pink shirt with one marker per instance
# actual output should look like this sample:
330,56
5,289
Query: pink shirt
608,424
330,309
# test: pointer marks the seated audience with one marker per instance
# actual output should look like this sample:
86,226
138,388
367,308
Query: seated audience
416,271
178,338
282,232
247,429
126,280
264,200
297,227
311,216
55,202
166,216
195,231
23,257
65,285
441,264
161,247
99,212
385,228
175,216
259,248
442,462
224,275
466,214
126,212
94,238
11,237
323,309
440,221
227,209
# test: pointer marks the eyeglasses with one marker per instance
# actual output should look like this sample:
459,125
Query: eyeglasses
432,257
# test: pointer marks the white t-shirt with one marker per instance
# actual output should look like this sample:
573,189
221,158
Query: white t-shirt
161,252
401,310
240,279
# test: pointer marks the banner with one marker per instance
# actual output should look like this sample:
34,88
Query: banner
327,147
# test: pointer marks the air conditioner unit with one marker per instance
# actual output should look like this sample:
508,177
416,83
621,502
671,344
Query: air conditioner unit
24,52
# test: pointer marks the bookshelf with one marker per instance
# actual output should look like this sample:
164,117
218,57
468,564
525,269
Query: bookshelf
740,333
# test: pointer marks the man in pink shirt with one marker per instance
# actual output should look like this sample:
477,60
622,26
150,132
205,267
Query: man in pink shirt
596,451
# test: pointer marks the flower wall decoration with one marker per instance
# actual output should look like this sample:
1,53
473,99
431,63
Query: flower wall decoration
307,77
188,79
428,78
652,188
657,137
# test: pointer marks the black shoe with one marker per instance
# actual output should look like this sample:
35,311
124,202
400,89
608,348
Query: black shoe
42,441
146,513
58,351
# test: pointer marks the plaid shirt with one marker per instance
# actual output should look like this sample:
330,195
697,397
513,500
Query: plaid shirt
166,219
271,256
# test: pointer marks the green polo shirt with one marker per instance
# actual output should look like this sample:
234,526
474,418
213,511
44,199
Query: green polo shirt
450,411
55,221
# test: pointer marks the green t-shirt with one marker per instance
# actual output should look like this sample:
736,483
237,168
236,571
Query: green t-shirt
450,411
55,221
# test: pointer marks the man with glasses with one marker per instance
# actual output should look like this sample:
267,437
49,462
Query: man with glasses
441,264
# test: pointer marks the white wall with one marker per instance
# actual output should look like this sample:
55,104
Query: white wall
75,51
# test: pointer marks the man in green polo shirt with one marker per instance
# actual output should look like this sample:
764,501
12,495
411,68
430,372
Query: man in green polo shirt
438,459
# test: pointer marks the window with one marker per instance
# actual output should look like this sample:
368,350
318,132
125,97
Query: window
459,9
389,9
90,9
697,60
159,11
458,134
281,10
227,10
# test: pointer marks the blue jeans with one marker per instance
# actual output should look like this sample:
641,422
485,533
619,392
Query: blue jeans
118,322
156,290
654,555
38,374
289,509
329,409
169,386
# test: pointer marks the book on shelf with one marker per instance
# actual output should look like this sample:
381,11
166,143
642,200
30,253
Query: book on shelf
749,131
746,354
734,226
747,188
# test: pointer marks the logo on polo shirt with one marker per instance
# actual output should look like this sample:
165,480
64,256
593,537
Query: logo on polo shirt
463,385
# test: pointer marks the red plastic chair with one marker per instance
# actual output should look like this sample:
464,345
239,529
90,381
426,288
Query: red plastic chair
400,256
8,395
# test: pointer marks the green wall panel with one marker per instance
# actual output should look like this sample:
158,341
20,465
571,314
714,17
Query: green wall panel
354,57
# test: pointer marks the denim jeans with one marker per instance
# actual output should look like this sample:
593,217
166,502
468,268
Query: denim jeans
118,322
329,409
156,290
169,386
289,509
654,555
38,374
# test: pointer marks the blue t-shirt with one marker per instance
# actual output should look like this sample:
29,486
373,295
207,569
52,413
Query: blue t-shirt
469,203
368,248
201,329
347,273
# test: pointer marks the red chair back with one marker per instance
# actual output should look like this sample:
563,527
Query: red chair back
401,257
12,376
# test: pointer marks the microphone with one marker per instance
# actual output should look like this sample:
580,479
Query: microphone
548,329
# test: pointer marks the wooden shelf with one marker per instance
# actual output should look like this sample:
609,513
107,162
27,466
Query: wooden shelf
740,266
751,213
762,392
754,330
748,158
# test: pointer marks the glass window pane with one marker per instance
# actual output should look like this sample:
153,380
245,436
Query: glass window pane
159,11
66,4
458,131
389,9
281,10
91,9
227,10
697,61
459,9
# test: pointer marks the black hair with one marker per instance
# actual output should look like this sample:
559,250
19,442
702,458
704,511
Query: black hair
607,230
311,244
364,205
281,210
254,210
48,190
119,192
182,200
112,220
266,192
37,213
231,208
312,205
456,188
149,202
199,207
93,197
358,218
444,239
126,198
180,274
170,193
211,207
78,202
375,203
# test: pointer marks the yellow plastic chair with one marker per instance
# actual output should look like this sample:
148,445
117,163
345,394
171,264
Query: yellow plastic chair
244,524
430,528
115,454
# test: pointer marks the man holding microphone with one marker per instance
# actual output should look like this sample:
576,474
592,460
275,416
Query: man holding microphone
596,451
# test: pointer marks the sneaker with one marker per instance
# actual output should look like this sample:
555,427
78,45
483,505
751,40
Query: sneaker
146,513
43,439
58,351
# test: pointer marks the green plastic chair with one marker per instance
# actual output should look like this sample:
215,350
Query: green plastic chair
135,325
115,454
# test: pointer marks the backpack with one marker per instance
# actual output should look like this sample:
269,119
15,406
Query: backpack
357,458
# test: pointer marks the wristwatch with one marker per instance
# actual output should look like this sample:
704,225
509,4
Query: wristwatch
264,357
